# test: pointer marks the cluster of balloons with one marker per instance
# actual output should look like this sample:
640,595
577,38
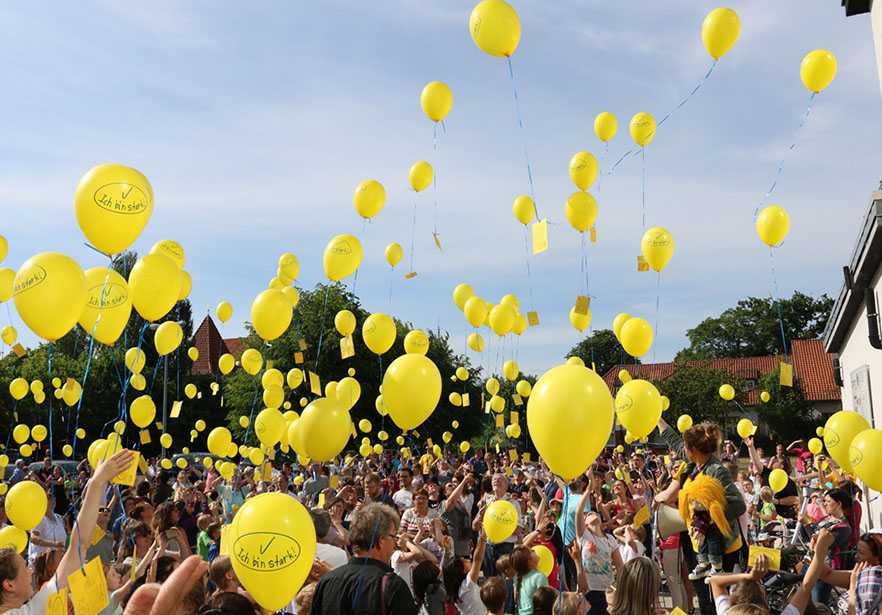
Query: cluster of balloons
272,309
502,319
855,446
634,334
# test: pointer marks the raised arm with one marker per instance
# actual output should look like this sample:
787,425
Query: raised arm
720,583
754,455
580,513
478,557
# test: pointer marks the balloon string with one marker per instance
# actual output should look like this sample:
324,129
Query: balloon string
434,177
413,233
781,164
778,302
657,298
527,259
355,278
391,281
603,153
523,137
643,158
322,326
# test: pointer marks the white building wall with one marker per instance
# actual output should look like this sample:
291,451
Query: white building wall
876,21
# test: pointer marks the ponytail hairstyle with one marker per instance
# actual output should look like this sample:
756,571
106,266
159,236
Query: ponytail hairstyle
704,438
520,561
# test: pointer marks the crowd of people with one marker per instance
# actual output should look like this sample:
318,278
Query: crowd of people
399,534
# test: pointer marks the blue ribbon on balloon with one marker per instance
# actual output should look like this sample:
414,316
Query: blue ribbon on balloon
523,137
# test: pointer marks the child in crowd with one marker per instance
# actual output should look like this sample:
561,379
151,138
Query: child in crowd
503,565
767,510
494,595
203,540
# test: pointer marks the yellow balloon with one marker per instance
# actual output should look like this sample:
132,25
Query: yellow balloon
292,295
624,376
378,332
226,363
502,319
605,126
575,397
348,392
464,447
778,480
18,388
294,378
113,204
67,449
365,425
583,169
289,265
369,198
382,435
224,311
500,520
324,428
39,397
142,411
462,373
524,388
576,361
620,320
818,69
839,431
495,28
461,294
21,433
7,283
271,314
447,437
168,337
71,392
476,311
720,30
342,257
39,433
344,321
171,249
745,428
365,449
9,335
49,290
135,360
476,342
272,376
436,99
510,370
520,324
411,390
455,399
243,422
727,392
511,301
268,426
523,209
81,433
772,225
219,440
394,254
26,505
581,210
186,285
546,559
36,386
636,337
820,432
4,247
684,423
166,464
420,176
193,353
155,282
816,446
25,450
251,361
657,246
580,321
865,457
642,128
416,342
273,396
107,295
638,406
165,440
492,386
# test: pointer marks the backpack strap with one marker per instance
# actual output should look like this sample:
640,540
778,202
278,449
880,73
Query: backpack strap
383,593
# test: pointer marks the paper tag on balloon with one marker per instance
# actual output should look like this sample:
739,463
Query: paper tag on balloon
352,430
321,501
142,465
19,350
593,234
269,365
224,540
497,448
347,347
582,305
526,457
786,375
410,275
642,265
315,385
513,417
97,535
533,318
302,343
298,358
540,236
773,555
127,476
199,395
57,604
508,471
416,434
158,425
518,401
15,416
334,481
88,591
512,454
437,241
667,460
500,420
145,436
176,409
641,516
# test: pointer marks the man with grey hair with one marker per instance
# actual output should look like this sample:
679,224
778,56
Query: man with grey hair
496,550
367,585
335,556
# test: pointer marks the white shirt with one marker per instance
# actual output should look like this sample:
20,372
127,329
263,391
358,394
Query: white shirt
597,560
39,602
335,556
470,598
628,553
403,569
403,499
51,529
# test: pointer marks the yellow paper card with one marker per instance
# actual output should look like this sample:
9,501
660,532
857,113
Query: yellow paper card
533,319
224,541
513,454
513,417
315,385
416,434
97,535
508,471
158,425
667,460
487,408
465,399
302,343
641,516
410,275
540,236
127,477
593,234
437,241
269,364
773,555
347,347
334,481
145,436
321,501
526,457
89,591
176,409
19,350
57,604
199,395
500,420
352,430
429,442
142,465
497,449
677,611
298,358
583,303
517,399
786,375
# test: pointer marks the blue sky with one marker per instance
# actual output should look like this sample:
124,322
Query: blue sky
256,121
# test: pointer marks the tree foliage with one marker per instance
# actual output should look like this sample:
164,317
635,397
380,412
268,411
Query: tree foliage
787,414
694,390
602,348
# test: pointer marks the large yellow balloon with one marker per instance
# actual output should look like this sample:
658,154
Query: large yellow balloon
113,204
865,457
168,337
546,559
21,433
342,257
839,430
416,342
581,210
272,548
9,335
108,296
569,416
344,321
605,126
411,390
580,321
271,314
268,426
13,537
378,332
520,324
502,319
500,520
369,198
394,254
436,99
642,128
251,361
583,169
26,505
657,246
289,265
523,209
273,396
636,337
495,27
772,225
620,320
778,480
639,407
50,293
745,428
142,411
225,363
7,282
4,247
348,392
720,30
224,311
476,311
324,428
171,249
155,281
186,285
476,342
818,69
461,294
420,175
219,440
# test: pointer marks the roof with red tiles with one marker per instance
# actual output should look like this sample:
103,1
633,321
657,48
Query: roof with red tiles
815,368
236,345
208,341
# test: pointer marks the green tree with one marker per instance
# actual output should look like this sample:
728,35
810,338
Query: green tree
602,348
752,328
694,390
787,413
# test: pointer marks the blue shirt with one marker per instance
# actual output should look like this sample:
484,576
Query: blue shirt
571,503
